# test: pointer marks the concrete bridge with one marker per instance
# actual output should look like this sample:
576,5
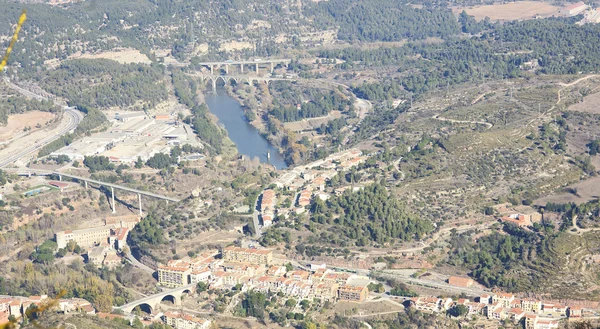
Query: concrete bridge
270,63
150,303
38,172
238,79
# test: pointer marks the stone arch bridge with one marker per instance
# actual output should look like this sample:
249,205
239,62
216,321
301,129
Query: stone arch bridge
238,79
151,302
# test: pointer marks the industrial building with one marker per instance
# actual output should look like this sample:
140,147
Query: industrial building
132,135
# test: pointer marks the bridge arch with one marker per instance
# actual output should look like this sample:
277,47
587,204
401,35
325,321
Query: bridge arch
145,307
172,298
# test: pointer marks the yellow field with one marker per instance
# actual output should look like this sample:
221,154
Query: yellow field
510,11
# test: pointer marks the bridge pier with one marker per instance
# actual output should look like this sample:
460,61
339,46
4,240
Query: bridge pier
256,67
60,178
226,68
214,85
211,69
242,68
114,205
140,203
85,182
271,67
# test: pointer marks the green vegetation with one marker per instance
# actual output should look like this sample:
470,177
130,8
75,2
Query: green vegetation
319,106
458,310
71,281
500,259
369,215
381,20
185,90
44,253
148,231
4,178
253,304
204,128
98,163
159,161
102,83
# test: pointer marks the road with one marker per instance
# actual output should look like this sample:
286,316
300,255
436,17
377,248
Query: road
255,214
474,291
72,117
137,263
93,181
69,122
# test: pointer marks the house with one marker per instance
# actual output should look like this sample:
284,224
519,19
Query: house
529,305
111,260
14,308
517,219
503,298
460,282
96,255
516,314
575,312
430,304
499,313
200,276
185,321
485,298
532,321
267,220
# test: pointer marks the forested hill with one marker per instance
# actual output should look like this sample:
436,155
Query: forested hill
383,20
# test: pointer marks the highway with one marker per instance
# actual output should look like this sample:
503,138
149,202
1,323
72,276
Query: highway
73,116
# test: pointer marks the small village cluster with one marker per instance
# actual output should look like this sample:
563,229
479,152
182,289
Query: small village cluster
16,306
253,269
505,306
309,182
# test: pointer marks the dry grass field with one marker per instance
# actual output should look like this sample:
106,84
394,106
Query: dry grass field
123,56
590,104
17,122
510,11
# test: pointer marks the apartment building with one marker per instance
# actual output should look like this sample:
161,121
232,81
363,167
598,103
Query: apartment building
353,293
174,276
243,255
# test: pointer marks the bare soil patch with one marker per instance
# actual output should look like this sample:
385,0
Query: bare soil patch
590,104
510,11
312,123
123,56
17,122
579,193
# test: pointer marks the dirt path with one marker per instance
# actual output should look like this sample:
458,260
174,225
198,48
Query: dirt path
487,124
566,85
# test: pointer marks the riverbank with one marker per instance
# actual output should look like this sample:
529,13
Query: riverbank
258,123
247,139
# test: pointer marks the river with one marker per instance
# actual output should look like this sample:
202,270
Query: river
247,139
